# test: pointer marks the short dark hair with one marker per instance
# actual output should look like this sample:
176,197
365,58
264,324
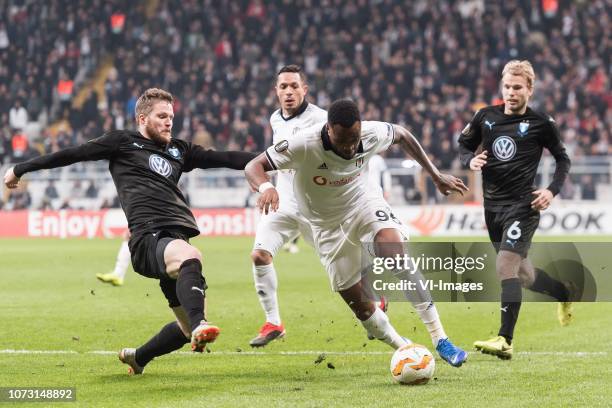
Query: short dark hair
343,112
294,69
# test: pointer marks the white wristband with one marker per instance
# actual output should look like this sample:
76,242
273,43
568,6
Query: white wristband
265,186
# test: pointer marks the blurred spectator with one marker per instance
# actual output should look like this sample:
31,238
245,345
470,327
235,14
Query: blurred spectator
77,190
51,191
19,198
18,116
19,146
65,88
34,105
587,187
92,190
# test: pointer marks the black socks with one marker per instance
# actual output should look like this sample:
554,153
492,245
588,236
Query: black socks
169,338
190,287
543,283
511,298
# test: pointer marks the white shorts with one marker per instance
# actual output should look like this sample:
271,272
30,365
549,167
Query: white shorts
340,248
277,228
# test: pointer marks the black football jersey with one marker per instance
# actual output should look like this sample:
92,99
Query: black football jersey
514,145
145,174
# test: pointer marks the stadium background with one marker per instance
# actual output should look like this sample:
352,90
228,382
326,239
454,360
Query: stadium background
70,70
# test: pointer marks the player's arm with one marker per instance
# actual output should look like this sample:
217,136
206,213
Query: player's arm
255,172
552,141
198,157
284,155
446,183
96,149
469,140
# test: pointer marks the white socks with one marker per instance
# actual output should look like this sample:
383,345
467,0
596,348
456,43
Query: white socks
123,260
265,285
429,316
378,325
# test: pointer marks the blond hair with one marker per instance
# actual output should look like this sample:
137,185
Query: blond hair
522,68
144,104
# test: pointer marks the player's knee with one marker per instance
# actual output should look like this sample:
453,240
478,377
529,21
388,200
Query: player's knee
190,253
508,265
260,257
388,243
525,278
173,266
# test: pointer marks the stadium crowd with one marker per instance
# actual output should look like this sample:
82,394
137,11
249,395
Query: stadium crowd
426,64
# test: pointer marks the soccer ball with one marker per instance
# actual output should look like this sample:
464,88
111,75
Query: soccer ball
412,364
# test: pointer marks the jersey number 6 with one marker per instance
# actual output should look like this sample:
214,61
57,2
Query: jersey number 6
514,232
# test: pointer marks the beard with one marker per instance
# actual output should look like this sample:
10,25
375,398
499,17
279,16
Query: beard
156,136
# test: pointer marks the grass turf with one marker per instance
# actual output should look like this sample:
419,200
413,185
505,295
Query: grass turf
50,301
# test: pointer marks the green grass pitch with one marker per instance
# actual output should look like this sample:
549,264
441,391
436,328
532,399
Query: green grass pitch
50,301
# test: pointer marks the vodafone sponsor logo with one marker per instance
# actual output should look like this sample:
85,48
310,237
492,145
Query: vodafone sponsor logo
319,180
322,181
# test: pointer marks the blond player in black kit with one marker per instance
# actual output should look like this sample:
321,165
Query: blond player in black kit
513,137
146,166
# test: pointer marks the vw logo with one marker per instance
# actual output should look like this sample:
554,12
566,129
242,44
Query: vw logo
160,165
504,148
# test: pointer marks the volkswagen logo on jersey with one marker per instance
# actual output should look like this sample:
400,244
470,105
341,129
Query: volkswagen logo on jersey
504,148
160,165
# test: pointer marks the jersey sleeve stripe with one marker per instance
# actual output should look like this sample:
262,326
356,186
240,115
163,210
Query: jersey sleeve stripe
391,130
271,161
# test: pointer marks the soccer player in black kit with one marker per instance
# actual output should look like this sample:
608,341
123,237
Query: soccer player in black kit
146,166
513,136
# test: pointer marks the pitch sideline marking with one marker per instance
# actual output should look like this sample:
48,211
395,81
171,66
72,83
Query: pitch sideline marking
304,352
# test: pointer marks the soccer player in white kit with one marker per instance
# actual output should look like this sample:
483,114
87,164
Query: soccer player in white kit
277,228
332,193
124,258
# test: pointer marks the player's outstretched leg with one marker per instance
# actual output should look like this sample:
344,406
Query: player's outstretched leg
190,288
169,338
388,244
565,309
117,276
373,319
507,265
564,292
383,304
266,284
450,353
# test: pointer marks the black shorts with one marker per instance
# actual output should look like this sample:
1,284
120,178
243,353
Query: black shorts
148,259
511,228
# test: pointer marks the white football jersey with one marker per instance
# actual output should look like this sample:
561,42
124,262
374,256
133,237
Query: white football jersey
286,129
379,178
327,187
